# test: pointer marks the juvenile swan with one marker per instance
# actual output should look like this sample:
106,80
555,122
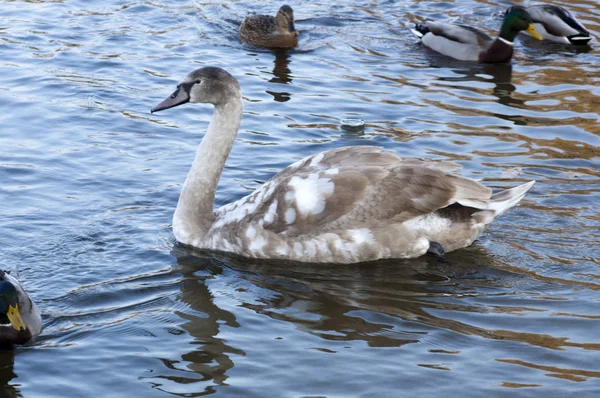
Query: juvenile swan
20,318
471,44
345,205
270,32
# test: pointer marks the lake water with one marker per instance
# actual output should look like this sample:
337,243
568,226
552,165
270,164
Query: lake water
89,180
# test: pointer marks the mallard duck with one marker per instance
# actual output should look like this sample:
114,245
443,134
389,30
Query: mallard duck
20,318
270,32
346,205
557,24
471,44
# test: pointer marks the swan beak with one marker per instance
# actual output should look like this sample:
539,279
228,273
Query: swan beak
179,97
15,318
531,30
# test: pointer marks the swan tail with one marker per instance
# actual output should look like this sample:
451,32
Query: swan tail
502,201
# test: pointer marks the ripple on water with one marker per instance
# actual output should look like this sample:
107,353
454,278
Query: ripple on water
90,180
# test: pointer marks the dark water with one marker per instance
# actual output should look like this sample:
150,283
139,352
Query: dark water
90,179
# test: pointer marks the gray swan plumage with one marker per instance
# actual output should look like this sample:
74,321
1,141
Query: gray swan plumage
345,205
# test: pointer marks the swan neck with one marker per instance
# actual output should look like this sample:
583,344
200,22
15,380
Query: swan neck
195,214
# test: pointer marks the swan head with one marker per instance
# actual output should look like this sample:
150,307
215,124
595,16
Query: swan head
285,20
516,19
208,85
19,317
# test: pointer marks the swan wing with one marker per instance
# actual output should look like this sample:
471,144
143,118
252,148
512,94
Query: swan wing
354,187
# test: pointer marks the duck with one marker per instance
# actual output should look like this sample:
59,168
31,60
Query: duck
345,205
557,24
467,43
20,318
270,32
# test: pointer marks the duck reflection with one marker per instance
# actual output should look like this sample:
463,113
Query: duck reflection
7,373
281,74
499,74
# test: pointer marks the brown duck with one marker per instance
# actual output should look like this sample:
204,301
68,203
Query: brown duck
270,32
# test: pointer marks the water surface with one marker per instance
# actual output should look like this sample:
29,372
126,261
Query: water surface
90,179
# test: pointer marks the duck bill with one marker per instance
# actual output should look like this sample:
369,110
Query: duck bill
291,27
531,30
179,97
15,318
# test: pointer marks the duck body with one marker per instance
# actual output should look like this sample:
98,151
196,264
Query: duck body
463,42
467,43
270,32
346,205
557,24
20,318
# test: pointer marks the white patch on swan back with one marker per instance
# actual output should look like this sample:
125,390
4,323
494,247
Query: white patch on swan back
316,160
432,223
289,196
257,244
332,172
250,232
296,164
236,211
290,215
282,250
271,212
310,193
298,249
311,248
362,235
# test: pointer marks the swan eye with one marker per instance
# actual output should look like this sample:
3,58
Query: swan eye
198,81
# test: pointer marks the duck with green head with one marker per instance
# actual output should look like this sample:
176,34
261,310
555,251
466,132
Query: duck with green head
557,24
20,318
467,43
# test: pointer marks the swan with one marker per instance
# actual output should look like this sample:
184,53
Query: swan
20,318
557,24
270,32
466,43
346,205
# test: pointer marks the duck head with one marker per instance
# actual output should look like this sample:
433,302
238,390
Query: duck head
285,20
20,319
516,19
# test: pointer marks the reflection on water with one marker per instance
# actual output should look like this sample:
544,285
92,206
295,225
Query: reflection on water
282,74
7,373
384,305
211,357
90,180
499,75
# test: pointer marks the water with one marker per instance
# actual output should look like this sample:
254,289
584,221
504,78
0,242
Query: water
89,181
